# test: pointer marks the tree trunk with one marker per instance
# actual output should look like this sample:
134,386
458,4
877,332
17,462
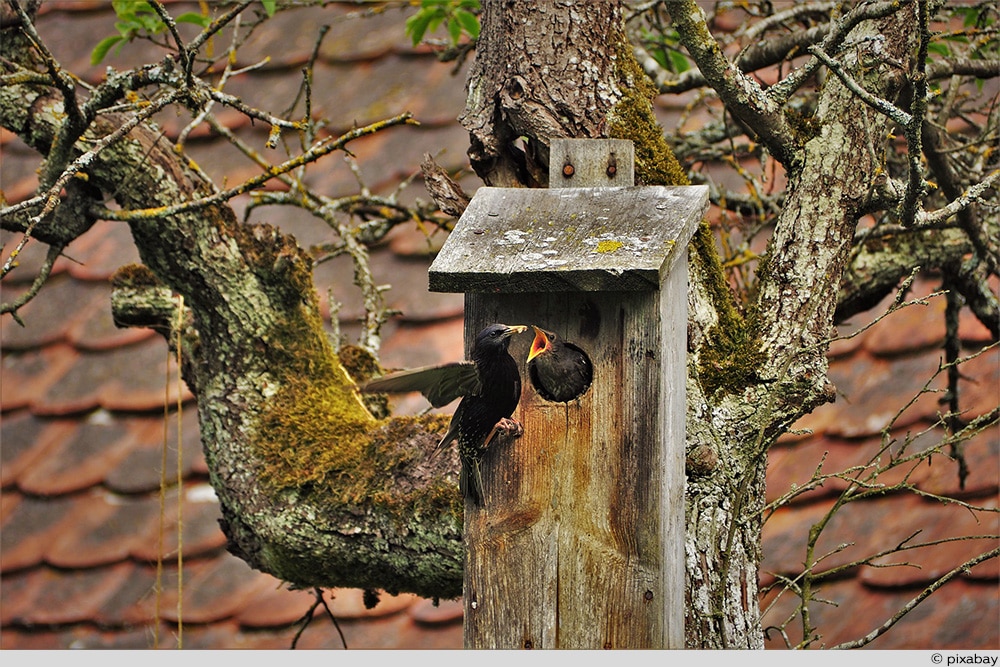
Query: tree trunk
543,71
296,459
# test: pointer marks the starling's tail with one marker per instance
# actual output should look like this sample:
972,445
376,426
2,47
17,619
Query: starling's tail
470,482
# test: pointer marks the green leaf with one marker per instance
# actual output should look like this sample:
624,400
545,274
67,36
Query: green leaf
454,30
660,56
102,48
437,17
131,11
126,30
270,6
195,18
457,16
678,61
469,21
938,48
151,23
416,26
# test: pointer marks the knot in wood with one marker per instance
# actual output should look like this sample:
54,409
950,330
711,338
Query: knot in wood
515,88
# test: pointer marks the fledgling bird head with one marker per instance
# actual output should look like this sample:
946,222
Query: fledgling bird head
559,370
542,343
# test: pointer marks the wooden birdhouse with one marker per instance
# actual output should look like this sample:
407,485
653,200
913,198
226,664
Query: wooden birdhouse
580,541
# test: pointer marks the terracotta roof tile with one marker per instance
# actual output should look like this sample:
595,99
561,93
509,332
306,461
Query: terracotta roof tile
411,297
199,521
139,471
80,457
18,159
25,439
362,35
415,243
430,343
87,590
348,603
27,376
83,435
61,302
213,589
276,606
979,386
863,406
923,325
96,256
796,462
25,535
950,522
21,592
865,528
100,530
134,603
131,378
427,612
852,612
29,259
96,330
982,454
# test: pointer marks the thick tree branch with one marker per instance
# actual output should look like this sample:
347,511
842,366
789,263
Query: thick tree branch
877,266
743,96
812,240
757,56
298,463
867,11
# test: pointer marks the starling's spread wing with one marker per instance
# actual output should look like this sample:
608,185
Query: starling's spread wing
439,384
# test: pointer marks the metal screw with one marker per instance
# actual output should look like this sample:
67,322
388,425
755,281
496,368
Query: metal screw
568,170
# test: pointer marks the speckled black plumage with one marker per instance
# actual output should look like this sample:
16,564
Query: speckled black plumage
490,386
559,371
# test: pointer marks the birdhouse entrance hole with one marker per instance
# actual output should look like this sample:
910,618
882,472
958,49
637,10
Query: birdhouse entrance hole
559,370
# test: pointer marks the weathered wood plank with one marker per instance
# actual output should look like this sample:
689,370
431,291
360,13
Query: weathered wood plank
567,239
571,550
580,541
591,163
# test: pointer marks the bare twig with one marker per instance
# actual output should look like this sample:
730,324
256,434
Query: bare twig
51,198
322,148
924,594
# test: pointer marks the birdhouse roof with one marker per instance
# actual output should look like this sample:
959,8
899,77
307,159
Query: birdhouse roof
568,239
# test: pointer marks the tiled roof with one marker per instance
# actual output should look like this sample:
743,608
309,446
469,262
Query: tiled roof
82,520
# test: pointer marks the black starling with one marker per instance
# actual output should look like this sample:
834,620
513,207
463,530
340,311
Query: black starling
490,387
559,371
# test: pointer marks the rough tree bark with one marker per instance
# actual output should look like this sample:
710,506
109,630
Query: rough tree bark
749,378
300,465
296,459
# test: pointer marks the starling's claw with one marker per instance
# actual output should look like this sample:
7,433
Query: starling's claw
510,427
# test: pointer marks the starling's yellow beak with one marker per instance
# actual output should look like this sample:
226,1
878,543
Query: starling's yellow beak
540,344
